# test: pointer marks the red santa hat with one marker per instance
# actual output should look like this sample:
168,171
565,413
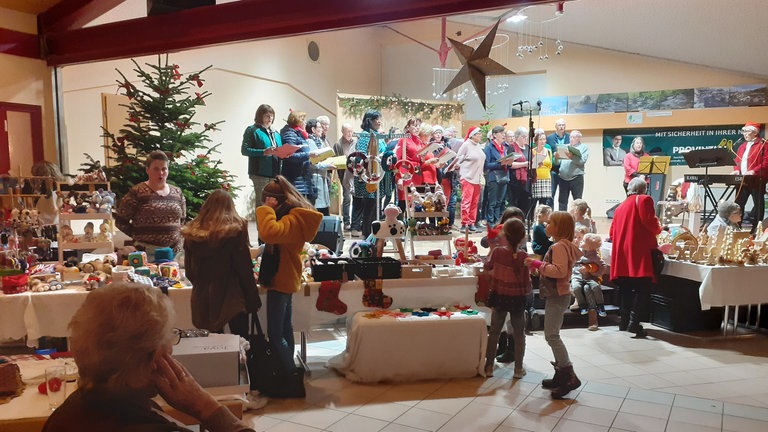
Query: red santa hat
473,130
751,125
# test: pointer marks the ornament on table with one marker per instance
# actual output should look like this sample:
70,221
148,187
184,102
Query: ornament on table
328,298
440,200
466,251
66,234
138,259
88,232
443,226
429,202
373,296
104,234
361,249
391,226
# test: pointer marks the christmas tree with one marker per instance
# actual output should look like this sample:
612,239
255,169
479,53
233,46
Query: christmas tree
161,117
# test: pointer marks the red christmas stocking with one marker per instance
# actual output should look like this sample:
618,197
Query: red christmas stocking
373,296
328,299
483,289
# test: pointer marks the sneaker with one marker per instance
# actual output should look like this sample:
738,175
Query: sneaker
254,401
519,373
463,229
583,311
472,228
601,311
347,227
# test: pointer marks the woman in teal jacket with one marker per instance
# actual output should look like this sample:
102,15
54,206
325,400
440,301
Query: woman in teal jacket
259,144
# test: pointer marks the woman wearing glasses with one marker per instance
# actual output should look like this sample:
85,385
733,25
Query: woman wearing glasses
121,338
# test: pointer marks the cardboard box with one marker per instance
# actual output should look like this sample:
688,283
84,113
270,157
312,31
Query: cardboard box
213,360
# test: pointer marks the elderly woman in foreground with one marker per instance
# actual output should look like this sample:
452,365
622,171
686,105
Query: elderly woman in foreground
633,235
122,341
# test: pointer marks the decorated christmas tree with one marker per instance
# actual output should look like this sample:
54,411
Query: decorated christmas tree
161,114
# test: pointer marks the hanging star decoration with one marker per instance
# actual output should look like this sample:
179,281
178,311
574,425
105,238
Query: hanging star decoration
477,64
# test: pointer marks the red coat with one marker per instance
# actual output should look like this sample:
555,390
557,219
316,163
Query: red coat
412,148
757,160
633,235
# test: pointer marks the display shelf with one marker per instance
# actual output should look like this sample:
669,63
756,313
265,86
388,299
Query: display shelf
85,245
87,188
86,216
446,237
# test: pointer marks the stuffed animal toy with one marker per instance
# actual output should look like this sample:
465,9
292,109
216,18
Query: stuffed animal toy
467,251
66,234
429,202
88,232
361,249
391,226
104,234
440,200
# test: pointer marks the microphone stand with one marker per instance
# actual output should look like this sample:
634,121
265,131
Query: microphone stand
531,171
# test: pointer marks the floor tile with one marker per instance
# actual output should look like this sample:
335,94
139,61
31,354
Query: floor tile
639,423
701,418
566,425
741,424
477,417
745,411
606,389
647,409
528,421
318,418
677,426
423,419
651,396
587,414
698,404
382,411
597,400
357,423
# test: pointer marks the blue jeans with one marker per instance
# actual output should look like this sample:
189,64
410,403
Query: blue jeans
279,327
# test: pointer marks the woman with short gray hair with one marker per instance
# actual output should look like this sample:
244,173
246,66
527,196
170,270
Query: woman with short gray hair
728,216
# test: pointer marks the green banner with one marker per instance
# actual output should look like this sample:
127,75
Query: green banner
671,141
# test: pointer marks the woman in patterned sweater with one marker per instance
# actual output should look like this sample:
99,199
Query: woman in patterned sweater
153,211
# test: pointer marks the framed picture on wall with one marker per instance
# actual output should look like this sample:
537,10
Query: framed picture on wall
710,97
612,102
584,104
747,95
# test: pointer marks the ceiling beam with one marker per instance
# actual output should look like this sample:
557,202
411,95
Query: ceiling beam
20,44
243,20
73,14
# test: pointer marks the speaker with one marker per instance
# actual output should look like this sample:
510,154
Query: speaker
330,234
159,7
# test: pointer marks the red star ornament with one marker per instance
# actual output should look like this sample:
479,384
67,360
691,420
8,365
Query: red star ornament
477,64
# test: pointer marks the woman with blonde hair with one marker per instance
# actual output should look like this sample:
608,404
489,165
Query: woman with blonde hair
217,260
285,222
122,339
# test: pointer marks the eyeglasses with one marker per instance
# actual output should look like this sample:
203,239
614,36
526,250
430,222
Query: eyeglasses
190,333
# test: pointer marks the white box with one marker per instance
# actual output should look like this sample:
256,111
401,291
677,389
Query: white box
213,360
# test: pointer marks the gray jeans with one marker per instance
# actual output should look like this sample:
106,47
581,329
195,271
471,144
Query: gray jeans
554,307
517,322
258,185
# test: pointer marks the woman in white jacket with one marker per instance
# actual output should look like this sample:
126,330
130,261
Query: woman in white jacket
471,160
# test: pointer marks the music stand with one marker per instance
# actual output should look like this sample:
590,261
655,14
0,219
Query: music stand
705,158
654,165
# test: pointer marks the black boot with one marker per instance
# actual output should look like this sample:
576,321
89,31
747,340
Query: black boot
569,382
508,356
555,381
502,343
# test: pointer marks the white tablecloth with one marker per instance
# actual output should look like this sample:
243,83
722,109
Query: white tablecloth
413,348
31,403
724,285
48,314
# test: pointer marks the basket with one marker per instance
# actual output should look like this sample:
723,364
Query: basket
324,269
378,268
416,270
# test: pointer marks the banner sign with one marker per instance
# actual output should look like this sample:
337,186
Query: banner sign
671,141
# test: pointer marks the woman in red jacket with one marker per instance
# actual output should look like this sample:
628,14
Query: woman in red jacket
633,235
408,148
751,160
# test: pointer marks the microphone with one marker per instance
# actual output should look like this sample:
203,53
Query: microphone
538,103
520,103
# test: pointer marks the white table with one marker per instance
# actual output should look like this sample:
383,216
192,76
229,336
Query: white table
725,285
29,411
413,348
48,314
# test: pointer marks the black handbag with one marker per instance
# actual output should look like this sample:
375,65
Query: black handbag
262,360
657,258
266,370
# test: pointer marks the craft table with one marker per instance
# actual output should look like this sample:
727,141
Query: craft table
48,313
724,285
29,411
413,348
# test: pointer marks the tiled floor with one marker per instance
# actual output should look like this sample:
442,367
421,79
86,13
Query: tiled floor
667,382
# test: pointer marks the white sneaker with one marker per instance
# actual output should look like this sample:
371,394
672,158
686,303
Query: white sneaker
254,401
519,373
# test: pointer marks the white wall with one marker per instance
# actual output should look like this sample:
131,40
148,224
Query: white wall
244,75
375,61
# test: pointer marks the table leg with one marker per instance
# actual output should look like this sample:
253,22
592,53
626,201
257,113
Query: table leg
725,320
757,320
749,314
735,319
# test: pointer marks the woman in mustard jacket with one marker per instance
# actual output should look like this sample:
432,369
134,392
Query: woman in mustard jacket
285,221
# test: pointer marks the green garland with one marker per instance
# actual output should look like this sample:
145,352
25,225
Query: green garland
356,107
